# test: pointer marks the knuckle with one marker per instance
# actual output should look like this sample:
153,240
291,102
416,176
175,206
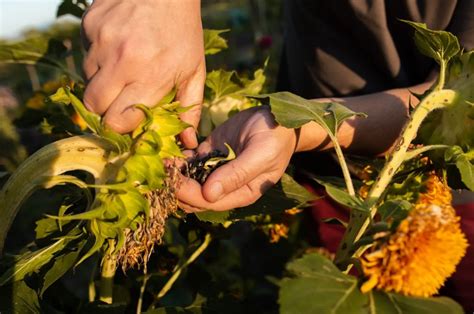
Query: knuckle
88,20
106,34
129,52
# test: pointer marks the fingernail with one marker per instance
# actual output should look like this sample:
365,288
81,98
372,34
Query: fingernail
216,191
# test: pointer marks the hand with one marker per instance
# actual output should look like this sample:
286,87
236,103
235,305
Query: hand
139,50
263,150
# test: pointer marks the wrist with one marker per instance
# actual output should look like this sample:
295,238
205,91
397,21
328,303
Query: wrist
311,136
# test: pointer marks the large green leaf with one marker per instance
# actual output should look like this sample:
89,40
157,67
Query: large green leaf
293,111
318,286
61,265
439,45
32,262
213,42
286,194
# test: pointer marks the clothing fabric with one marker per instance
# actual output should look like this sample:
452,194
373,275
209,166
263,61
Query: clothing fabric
355,47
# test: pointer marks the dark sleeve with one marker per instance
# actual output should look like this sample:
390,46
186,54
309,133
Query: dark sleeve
351,47
462,23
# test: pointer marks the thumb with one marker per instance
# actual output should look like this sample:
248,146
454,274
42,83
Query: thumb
191,94
235,174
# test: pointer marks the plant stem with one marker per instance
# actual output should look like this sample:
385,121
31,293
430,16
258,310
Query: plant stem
441,76
177,272
92,291
109,265
345,170
142,291
359,223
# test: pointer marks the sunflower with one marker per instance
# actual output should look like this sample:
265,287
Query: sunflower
423,251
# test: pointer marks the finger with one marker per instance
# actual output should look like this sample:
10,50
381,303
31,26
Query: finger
191,94
189,208
213,142
102,90
90,65
189,195
205,148
247,166
122,116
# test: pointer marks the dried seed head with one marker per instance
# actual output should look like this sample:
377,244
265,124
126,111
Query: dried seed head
139,243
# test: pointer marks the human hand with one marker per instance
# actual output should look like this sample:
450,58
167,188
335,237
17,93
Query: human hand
138,51
263,150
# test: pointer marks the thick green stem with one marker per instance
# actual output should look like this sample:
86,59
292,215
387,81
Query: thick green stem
360,222
109,266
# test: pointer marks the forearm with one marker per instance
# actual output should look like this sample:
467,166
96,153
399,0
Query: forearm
386,114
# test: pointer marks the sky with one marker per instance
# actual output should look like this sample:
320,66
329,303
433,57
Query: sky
17,15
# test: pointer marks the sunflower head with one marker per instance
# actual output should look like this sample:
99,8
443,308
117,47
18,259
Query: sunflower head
423,251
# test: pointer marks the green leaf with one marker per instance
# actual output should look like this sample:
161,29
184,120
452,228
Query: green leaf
252,86
292,111
92,120
122,142
32,262
167,99
12,152
47,226
41,50
135,203
221,84
61,265
286,194
394,209
343,198
413,305
98,242
439,45
18,298
213,42
335,221
318,286
463,162
426,148
214,216
336,114
166,123
61,97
